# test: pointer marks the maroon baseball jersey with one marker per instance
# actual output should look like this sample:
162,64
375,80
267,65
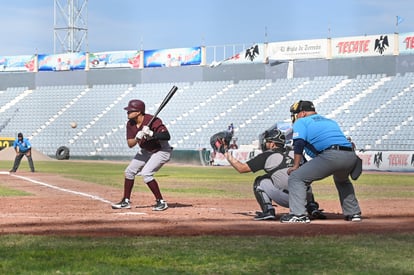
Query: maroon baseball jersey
149,144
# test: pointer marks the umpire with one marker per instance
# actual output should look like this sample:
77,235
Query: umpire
22,147
323,140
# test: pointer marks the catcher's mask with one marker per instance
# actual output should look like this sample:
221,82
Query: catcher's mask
274,135
300,106
135,105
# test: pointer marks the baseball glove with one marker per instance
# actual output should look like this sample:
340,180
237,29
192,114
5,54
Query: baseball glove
220,141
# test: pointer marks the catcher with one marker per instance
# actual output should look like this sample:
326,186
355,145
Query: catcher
272,186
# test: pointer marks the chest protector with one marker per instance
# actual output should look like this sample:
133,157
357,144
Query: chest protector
287,160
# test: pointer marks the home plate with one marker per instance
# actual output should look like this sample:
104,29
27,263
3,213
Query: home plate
132,213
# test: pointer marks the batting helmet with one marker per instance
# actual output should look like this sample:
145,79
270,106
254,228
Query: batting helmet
135,105
300,106
276,136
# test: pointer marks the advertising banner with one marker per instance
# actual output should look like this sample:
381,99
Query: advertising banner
121,59
254,54
62,62
359,46
239,154
301,49
21,63
172,57
406,43
6,142
396,161
385,161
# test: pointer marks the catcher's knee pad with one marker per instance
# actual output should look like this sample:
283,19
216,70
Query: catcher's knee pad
262,198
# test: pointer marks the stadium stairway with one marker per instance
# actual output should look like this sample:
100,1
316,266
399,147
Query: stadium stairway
373,109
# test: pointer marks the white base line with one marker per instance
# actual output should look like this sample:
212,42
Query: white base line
63,189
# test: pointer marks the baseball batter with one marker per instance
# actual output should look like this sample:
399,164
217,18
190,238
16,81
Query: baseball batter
154,151
273,186
332,154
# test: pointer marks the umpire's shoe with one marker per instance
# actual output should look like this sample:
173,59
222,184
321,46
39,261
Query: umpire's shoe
354,218
290,218
123,204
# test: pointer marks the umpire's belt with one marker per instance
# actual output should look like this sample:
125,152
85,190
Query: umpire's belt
338,147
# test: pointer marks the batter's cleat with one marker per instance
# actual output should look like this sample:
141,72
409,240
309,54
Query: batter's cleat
354,218
262,216
124,204
160,205
290,218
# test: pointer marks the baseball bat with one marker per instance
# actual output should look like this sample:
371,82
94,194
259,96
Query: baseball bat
163,103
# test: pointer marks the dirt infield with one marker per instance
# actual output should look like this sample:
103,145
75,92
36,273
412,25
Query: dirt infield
60,206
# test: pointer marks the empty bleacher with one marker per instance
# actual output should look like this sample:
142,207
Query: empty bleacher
373,109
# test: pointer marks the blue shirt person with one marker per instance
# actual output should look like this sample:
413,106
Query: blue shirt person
332,154
22,147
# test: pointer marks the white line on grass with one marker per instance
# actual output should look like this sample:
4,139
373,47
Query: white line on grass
63,189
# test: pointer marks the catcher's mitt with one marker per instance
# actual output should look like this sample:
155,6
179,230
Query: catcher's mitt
220,141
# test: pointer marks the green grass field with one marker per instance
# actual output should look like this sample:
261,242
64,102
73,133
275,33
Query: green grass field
358,254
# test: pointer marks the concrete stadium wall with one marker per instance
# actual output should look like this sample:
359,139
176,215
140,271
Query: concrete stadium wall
235,72
17,80
368,65
61,78
404,64
113,76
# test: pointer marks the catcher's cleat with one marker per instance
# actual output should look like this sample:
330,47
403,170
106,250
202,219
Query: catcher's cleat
123,204
314,211
354,218
262,216
160,205
318,214
290,218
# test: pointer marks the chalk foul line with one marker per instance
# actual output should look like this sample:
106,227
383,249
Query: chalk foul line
93,197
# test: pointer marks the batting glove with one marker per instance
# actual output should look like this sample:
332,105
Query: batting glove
147,131
140,135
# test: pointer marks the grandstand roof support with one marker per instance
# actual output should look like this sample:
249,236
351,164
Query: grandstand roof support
70,26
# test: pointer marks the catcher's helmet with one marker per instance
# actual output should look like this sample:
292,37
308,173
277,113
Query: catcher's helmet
135,105
300,106
276,136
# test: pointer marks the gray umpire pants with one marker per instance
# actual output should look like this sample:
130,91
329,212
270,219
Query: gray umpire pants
329,162
18,159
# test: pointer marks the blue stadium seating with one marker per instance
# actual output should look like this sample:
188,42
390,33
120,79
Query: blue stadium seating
374,109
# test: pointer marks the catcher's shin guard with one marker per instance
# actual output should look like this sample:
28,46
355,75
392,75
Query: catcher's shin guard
262,198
